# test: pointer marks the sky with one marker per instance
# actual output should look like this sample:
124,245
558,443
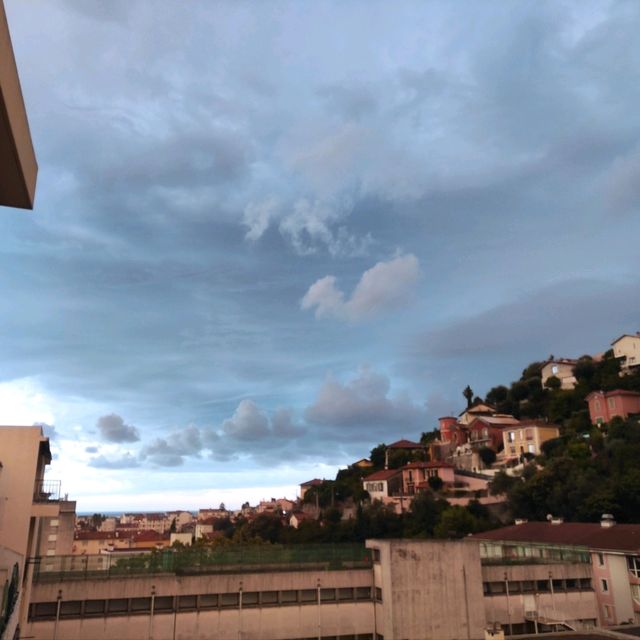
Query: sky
270,235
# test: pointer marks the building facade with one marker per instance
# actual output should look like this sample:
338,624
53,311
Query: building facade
605,405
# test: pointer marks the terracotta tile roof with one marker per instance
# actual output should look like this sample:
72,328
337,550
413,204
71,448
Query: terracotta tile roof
405,444
615,392
148,536
385,474
433,464
94,535
311,483
619,537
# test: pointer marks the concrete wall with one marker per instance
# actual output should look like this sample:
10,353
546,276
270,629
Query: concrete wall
249,623
429,589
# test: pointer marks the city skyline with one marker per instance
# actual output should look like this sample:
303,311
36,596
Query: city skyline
266,239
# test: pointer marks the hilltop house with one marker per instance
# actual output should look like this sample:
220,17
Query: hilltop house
527,437
561,368
605,405
627,349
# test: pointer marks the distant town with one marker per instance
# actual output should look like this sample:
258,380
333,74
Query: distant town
533,490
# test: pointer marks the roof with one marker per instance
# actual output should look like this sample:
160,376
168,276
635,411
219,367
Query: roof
432,464
94,535
147,536
405,444
619,537
480,407
571,361
626,335
311,483
615,392
385,474
499,420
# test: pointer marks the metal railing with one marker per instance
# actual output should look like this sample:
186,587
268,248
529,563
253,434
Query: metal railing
46,490
204,560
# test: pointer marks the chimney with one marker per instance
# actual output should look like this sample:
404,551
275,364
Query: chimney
520,521
607,521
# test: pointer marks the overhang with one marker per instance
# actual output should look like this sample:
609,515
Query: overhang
18,166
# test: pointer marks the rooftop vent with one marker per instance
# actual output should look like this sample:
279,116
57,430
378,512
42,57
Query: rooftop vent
554,519
521,521
607,520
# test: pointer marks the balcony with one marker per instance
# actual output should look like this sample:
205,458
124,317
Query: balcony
46,498
46,490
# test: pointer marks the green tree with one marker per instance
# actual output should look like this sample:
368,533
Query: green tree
487,455
456,522
468,394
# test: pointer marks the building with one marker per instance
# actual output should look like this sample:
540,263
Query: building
390,590
605,405
527,437
384,484
476,410
18,166
415,475
613,552
305,486
486,431
561,368
27,502
57,532
403,445
627,349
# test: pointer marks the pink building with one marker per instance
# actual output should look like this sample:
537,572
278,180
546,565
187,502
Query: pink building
415,475
451,431
605,405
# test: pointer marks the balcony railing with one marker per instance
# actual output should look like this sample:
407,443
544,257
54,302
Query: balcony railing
46,491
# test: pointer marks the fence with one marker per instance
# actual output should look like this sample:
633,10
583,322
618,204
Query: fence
195,560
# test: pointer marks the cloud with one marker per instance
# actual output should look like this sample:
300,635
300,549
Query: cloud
126,461
113,429
49,430
385,286
171,451
363,401
247,422
91,449
258,216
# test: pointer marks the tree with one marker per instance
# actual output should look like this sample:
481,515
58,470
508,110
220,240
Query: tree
497,395
487,455
502,483
435,482
172,528
468,394
456,522
553,383
377,456
222,507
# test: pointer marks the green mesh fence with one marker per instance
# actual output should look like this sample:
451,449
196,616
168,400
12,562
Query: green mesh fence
194,560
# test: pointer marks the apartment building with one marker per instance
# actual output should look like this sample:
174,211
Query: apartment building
561,368
27,502
614,557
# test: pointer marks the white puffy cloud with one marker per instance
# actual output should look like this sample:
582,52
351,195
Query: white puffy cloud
170,451
364,400
113,429
380,288
248,422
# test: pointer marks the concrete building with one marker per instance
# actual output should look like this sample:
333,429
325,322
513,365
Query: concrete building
605,405
627,349
395,590
57,533
613,553
18,166
561,368
27,500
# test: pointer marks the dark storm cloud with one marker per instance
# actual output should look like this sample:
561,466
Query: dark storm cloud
201,169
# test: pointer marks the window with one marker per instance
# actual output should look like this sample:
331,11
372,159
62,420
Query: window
93,607
531,448
571,584
542,585
585,584
70,609
607,611
45,609
140,604
635,592
287,597
250,599
633,562
117,605
376,554
604,585
554,369
378,594
363,593
186,602
229,599
269,597
611,402
52,537
345,593
601,559
208,601
308,595
511,436
558,585
327,595
163,603
54,523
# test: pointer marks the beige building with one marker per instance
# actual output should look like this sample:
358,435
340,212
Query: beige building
627,349
527,437
561,368
18,166
27,501
56,536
